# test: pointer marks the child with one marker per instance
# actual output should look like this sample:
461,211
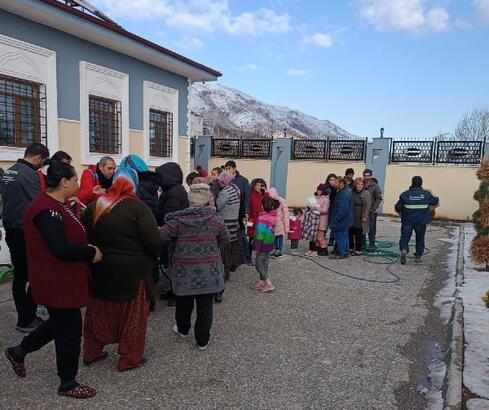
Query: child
282,225
323,202
311,225
263,243
295,228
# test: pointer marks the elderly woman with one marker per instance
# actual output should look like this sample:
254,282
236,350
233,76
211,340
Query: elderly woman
361,207
125,230
227,204
58,255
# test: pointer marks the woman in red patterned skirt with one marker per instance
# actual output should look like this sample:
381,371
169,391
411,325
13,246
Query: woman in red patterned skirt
125,229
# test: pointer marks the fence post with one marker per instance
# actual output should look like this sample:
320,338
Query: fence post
378,152
279,166
486,149
203,146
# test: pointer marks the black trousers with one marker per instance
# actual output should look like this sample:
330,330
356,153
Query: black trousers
294,244
203,322
64,326
355,237
21,292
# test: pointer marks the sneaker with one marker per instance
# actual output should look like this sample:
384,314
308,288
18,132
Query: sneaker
267,288
202,348
417,258
175,329
403,257
172,303
273,254
258,285
278,254
80,391
31,327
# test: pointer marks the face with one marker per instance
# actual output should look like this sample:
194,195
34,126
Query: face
367,177
360,185
258,187
332,182
214,175
108,169
349,176
231,170
66,161
319,192
340,185
37,161
70,186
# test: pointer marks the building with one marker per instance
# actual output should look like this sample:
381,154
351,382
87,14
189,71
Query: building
196,125
75,80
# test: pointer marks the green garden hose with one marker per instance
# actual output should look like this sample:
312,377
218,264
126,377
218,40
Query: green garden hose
5,272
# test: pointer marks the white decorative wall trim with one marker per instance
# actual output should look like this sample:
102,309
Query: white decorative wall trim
106,83
159,97
37,64
188,155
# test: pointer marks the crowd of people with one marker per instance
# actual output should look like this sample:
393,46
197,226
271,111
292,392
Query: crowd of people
103,243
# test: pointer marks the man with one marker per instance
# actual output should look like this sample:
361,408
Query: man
244,207
349,176
19,185
95,180
415,207
376,196
341,219
57,156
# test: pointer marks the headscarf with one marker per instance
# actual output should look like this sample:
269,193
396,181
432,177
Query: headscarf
135,162
124,187
226,178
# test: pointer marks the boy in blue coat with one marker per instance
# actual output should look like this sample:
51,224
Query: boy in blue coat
341,219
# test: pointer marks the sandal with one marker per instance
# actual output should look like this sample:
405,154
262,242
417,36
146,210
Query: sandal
18,366
79,392
102,356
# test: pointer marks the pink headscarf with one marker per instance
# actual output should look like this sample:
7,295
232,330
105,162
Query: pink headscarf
225,178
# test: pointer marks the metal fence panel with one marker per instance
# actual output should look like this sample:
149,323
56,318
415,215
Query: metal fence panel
309,149
256,148
346,150
412,151
459,152
226,148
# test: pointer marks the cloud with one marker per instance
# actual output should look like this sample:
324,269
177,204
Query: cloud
190,43
297,72
320,39
462,24
202,15
249,67
482,10
404,15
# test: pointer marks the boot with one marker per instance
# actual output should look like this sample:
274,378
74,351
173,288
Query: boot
323,252
417,258
403,257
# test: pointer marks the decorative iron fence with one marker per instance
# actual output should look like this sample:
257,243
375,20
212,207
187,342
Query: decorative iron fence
226,148
256,149
459,152
347,150
412,151
309,149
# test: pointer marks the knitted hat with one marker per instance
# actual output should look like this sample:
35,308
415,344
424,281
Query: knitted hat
199,194
311,202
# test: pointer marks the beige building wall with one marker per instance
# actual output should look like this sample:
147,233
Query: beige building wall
250,168
454,185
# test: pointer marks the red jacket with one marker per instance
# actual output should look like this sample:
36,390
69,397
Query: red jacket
295,229
55,283
88,181
255,210
42,180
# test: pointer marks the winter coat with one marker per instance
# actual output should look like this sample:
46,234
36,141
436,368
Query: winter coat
147,191
227,204
264,240
256,208
342,210
244,187
174,197
19,186
414,206
295,229
375,195
361,209
282,225
310,224
323,202
129,240
196,267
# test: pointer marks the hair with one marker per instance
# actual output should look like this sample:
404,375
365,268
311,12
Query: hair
342,180
103,161
375,180
57,170
367,171
230,163
61,156
356,181
328,177
217,169
199,180
190,177
268,204
36,148
258,181
350,171
297,211
417,181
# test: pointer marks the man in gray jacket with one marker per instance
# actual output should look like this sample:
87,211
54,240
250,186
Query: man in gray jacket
376,196
19,185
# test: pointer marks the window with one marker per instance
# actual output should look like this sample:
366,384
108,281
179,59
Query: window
22,112
160,133
105,125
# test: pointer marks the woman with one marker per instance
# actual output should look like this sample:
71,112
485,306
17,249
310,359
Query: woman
331,190
126,231
197,272
361,208
258,187
58,255
341,219
227,204
214,184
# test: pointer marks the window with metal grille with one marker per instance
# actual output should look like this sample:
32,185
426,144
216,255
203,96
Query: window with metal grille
105,125
160,133
22,112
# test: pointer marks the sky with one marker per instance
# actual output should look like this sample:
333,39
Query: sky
413,67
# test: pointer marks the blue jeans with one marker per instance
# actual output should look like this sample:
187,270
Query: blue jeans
406,233
372,228
279,242
341,240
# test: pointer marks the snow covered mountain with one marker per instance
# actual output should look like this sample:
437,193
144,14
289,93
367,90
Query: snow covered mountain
231,113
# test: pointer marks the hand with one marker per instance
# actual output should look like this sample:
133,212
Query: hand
98,190
98,255
246,217
364,219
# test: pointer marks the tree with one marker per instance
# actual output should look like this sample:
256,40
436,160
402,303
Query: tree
479,248
474,125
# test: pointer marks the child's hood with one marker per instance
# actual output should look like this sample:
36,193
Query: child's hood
274,195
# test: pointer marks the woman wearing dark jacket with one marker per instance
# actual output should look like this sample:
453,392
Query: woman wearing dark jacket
362,204
330,190
58,255
125,230
341,219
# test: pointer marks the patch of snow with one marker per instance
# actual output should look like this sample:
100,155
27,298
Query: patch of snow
476,326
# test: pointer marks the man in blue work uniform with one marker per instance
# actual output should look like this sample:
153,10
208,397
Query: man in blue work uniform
415,207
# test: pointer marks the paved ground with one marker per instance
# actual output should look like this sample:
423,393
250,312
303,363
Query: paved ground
319,341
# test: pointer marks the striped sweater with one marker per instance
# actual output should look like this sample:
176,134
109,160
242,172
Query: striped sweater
264,231
228,203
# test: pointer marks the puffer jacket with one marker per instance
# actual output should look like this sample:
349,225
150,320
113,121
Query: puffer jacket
174,197
147,191
323,202
342,210
282,225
